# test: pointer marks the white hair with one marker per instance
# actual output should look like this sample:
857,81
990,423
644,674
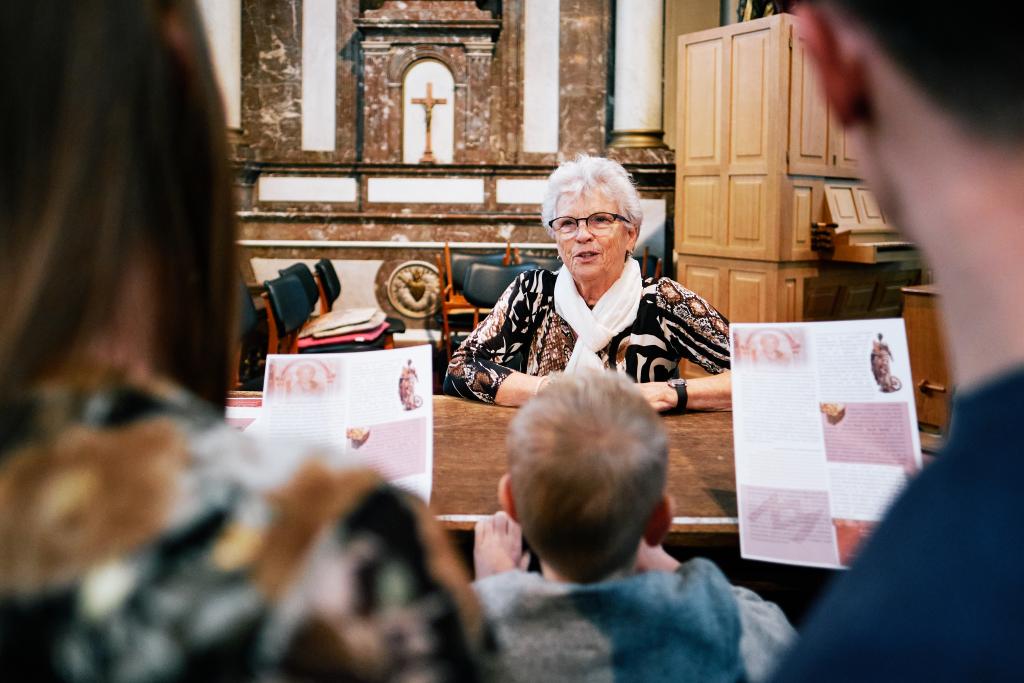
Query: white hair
585,174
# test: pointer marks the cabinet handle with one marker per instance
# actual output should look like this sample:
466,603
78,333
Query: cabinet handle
833,159
927,388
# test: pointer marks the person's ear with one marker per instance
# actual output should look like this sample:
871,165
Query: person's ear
631,244
508,504
659,522
840,66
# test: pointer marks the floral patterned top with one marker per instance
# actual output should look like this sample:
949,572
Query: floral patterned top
141,539
672,324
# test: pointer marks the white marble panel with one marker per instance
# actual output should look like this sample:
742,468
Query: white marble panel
319,64
426,190
540,76
358,277
639,28
223,22
652,232
521,190
306,189
442,122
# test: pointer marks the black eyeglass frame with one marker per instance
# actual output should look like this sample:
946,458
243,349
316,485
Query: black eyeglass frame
618,217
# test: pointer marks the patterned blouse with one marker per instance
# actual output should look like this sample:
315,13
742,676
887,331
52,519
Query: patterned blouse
141,539
672,324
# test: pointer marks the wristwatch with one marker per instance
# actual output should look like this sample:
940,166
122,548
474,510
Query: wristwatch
679,384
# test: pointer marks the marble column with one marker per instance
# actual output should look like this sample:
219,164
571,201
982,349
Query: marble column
639,40
223,22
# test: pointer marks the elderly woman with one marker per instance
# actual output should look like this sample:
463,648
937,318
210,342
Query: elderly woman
597,312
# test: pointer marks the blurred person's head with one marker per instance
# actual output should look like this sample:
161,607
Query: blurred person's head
965,63
908,81
587,465
116,221
933,104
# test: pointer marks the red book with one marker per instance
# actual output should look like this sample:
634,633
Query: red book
353,338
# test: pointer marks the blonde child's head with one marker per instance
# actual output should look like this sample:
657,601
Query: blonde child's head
587,460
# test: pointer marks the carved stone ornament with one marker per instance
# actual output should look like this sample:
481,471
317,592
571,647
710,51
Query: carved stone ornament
414,289
397,34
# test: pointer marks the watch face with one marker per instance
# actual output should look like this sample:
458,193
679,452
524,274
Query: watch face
677,382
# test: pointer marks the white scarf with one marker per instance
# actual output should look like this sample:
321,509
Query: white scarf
614,312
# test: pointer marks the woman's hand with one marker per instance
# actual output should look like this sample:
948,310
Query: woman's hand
659,395
703,393
518,388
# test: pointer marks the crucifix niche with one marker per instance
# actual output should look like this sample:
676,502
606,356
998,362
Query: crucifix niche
428,104
428,128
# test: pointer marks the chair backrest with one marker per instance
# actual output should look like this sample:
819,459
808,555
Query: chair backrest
329,281
289,303
486,282
305,276
461,262
650,265
247,315
553,264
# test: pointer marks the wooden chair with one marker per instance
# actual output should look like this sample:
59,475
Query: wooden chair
248,318
553,264
288,309
485,283
328,283
305,276
456,311
325,287
650,265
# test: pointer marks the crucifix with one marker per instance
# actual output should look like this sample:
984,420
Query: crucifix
428,103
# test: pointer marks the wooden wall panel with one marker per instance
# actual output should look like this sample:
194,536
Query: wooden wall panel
705,281
790,299
802,216
808,116
888,301
867,206
844,154
855,300
923,317
749,97
745,227
702,103
748,296
701,210
842,204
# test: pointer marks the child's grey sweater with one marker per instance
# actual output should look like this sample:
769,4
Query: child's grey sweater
687,625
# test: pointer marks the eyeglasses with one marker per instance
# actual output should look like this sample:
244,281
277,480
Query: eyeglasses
597,223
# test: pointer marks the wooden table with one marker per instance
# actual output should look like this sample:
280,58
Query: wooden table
469,458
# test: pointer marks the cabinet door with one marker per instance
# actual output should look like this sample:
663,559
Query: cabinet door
932,388
841,150
808,115
750,91
748,296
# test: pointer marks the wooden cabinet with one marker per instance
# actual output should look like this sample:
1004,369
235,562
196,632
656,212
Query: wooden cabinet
818,144
757,150
932,382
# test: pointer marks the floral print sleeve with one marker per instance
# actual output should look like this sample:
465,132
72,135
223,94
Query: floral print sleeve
481,364
692,328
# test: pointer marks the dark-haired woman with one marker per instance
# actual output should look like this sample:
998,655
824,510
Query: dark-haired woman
140,538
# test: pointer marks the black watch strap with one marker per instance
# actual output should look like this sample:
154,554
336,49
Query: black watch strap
680,386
